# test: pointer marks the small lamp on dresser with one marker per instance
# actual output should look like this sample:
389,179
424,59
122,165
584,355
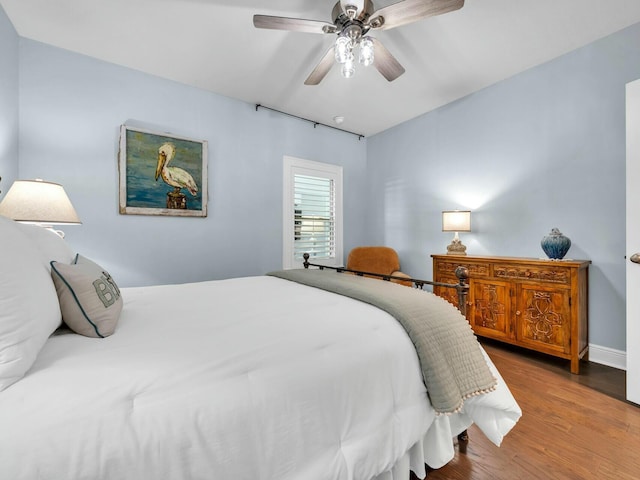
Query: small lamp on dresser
456,221
39,202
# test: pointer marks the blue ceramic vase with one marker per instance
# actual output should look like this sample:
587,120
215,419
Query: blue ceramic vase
555,245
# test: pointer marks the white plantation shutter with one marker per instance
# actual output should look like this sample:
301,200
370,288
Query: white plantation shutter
312,212
314,217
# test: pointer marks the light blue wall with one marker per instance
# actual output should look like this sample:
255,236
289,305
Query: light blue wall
8,103
543,149
71,107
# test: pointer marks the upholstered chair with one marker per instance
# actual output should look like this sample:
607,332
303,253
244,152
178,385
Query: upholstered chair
381,260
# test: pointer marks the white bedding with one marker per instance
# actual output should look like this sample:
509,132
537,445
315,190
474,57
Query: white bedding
249,378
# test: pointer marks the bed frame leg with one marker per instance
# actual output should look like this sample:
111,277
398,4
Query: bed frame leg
463,441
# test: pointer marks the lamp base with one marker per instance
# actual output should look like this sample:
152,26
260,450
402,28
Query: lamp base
46,226
456,248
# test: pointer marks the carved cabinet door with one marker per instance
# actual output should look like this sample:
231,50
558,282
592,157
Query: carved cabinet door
543,318
490,312
449,294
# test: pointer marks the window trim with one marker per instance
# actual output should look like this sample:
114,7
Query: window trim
297,166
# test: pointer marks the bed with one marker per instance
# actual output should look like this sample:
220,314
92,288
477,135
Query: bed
260,377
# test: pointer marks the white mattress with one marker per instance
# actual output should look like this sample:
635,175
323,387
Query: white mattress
250,378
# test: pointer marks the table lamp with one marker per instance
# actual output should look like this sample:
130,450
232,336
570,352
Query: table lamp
40,203
456,221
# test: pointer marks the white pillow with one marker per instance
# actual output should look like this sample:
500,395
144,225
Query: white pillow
29,310
49,243
89,298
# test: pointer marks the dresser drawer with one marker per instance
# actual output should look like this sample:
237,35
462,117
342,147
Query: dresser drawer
550,274
448,268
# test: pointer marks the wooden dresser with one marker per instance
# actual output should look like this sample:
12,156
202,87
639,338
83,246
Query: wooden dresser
533,303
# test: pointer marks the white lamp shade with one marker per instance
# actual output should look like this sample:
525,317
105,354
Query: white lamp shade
37,201
456,221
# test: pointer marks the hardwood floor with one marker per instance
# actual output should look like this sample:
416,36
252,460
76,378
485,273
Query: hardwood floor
573,426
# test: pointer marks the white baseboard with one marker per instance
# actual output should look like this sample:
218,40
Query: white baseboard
608,356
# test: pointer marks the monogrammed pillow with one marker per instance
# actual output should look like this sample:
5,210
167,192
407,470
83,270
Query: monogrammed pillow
89,298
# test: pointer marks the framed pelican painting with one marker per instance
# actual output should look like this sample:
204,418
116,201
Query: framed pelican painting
162,174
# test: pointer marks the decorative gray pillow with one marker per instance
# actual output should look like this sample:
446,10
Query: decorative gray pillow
89,298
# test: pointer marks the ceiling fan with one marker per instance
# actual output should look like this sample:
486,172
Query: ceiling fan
352,21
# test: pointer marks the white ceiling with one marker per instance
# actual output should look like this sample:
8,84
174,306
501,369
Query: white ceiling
213,45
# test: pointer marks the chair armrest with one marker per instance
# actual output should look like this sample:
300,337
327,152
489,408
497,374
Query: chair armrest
401,282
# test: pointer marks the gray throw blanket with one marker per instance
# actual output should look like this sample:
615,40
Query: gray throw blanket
453,366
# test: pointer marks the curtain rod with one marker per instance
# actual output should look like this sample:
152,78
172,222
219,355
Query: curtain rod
315,124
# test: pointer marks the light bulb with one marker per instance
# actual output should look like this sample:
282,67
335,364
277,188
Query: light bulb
348,67
366,51
343,49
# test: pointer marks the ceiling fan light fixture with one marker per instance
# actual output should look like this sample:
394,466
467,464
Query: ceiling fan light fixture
366,51
343,49
348,67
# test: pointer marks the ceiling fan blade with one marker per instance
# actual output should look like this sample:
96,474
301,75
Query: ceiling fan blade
384,62
322,68
293,24
408,11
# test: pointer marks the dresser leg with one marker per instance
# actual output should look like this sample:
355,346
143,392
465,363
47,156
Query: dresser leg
575,365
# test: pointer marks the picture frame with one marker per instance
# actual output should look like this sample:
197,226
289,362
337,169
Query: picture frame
148,185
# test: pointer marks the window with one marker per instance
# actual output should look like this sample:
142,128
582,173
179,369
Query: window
312,212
